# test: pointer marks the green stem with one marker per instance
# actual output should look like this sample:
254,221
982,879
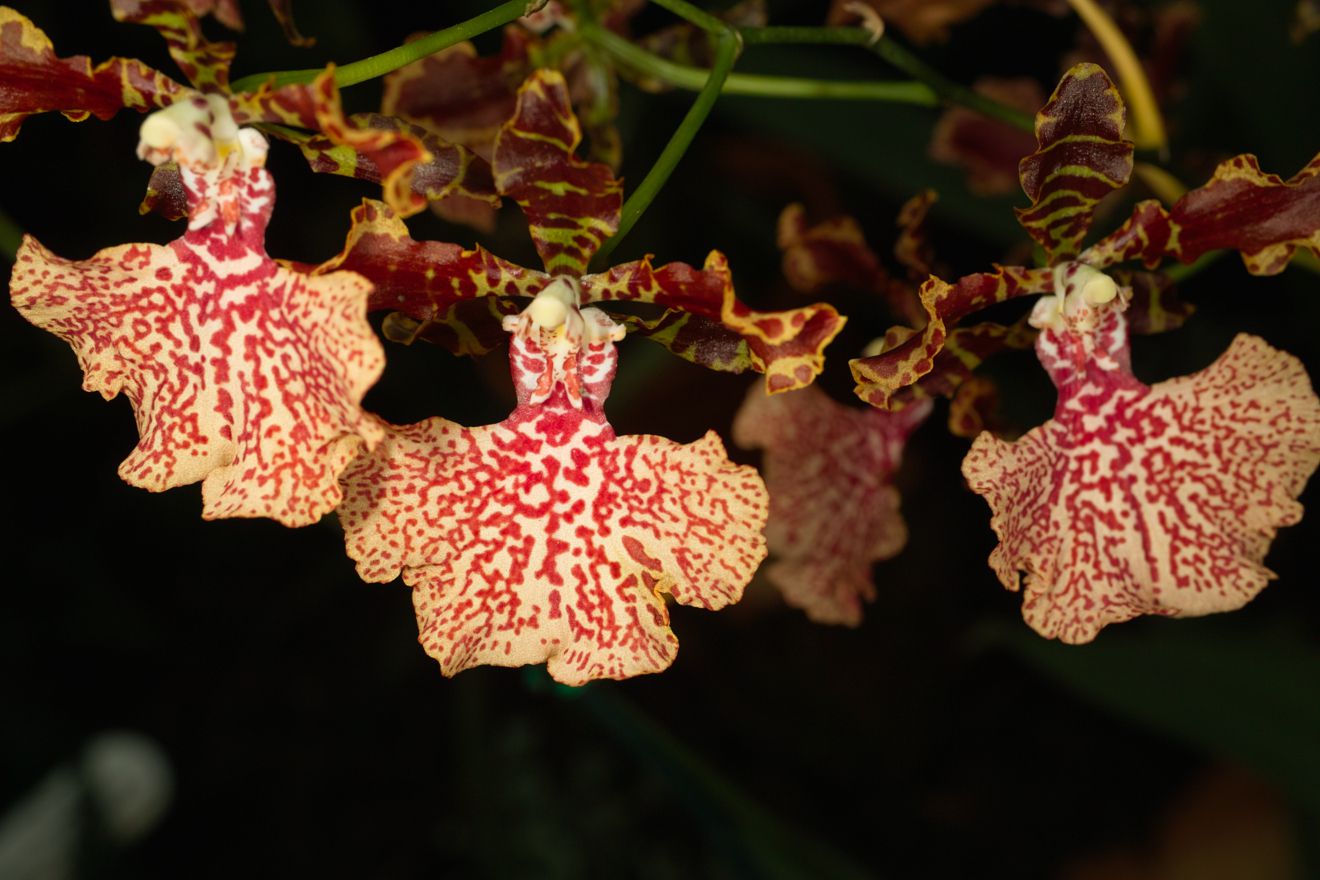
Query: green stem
948,91
693,78
386,62
726,52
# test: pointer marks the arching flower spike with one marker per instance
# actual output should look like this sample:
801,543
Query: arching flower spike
545,538
833,505
1143,500
242,374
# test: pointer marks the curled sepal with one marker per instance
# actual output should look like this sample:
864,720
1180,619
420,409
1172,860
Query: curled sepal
909,355
242,374
571,206
963,351
422,279
974,407
33,79
700,340
283,12
460,95
833,506
546,538
787,346
205,64
382,149
988,150
831,252
1240,208
1146,500
1080,158
411,165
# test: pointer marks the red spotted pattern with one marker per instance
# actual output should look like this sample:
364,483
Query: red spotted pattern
1147,500
242,374
833,505
546,538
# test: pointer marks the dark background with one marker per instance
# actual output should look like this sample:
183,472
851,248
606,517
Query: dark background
309,734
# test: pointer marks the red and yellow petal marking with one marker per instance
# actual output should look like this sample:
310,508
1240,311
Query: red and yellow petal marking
242,374
422,279
822,458
696,339
571,206
1241,208
987,150
205,64
460,95
910,355
1136,500
964,350
33,79
832,252
787,346
546,538
1081,157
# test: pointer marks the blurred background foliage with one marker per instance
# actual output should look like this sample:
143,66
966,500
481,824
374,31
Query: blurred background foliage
309,733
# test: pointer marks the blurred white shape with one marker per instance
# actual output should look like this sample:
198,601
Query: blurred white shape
127,779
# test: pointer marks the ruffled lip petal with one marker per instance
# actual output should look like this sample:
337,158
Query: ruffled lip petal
241,373
822,458
546,538
1160,500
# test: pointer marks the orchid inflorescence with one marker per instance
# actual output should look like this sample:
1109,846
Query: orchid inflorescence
547,538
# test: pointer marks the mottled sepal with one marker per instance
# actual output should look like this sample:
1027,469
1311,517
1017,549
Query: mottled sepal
243,375
412,165
987,150
382,149
1145,500
165,193
787,346
571,206
422,279
546,538
689,45
974,407
460,95
964,350
33,79
1241,208
1080,158
820,459
832,252
913,248
1156,306
908,356
205,64
696,339
468,328
283,12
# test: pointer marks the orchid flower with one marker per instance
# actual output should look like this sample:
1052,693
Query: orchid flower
243,375
1139,499
546,538
1133,499
821,459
